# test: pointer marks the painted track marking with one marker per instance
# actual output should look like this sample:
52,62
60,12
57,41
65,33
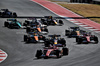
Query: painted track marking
63,12
3,55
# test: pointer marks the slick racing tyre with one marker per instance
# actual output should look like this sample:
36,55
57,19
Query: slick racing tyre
96,40
14,15
65,51
66,32
25,37
6,24
61,22
28,29
58,54
38,54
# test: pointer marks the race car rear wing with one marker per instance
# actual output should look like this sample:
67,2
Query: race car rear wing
54,35
74,27
4,9
11,19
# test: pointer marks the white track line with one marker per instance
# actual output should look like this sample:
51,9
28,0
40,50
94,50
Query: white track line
93,29
74,21
78,23
97,31
83,25
88,27
70,19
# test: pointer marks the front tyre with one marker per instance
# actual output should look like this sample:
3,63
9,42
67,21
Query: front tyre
38,54
65,51
25,37
6,24
58,54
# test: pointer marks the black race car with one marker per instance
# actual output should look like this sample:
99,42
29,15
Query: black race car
53,51
33,21
34,37
73,32
6,13
87,38
13,23
30,22
49,20
55,40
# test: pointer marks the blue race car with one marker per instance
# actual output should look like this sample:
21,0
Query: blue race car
49,20
6,13
13,24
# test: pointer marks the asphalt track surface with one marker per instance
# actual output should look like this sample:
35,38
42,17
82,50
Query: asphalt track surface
21,54
63,0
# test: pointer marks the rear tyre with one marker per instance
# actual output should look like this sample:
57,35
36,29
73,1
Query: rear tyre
96,40
14,15
61,22
66,32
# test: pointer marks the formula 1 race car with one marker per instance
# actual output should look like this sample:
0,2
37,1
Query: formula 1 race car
29,22
6,13
42,30
12,23
33,21
49,52
55,40
86,38
73,32
49,20
34,37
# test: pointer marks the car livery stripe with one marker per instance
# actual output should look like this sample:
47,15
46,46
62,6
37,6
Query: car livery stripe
55,22
55,41
88,38
63,12
39,29
19,24
36,38
48,52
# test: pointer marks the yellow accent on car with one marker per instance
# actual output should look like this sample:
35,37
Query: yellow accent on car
55,42
55,22
78,33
